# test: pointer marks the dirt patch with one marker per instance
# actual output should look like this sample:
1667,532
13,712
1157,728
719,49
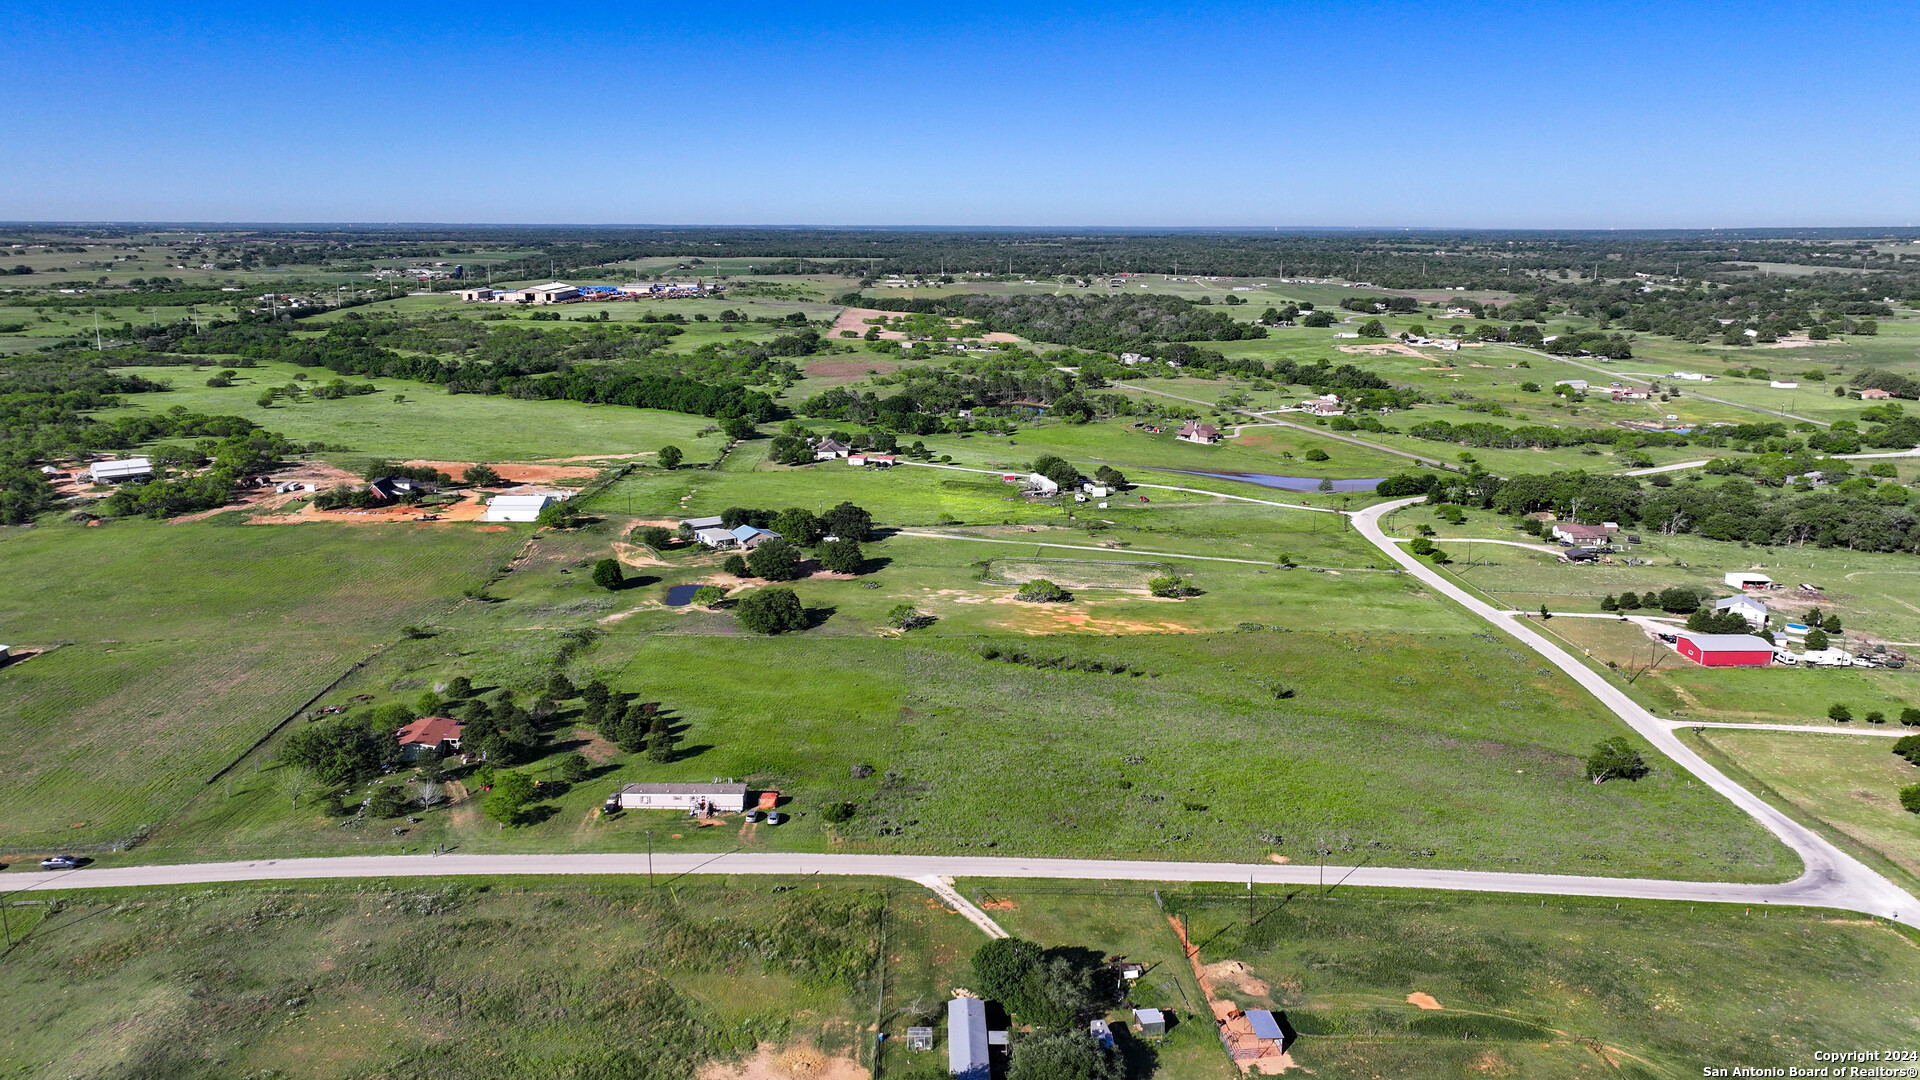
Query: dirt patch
797,1062
1385,348
635,555
1424,1001
1236,976
518,472
1279,858
1054,620
844,368
491,528
596,749
997,905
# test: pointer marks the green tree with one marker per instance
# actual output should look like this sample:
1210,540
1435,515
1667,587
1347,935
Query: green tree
1608,603
771,611
1615,759
709,595
670,457
798,525
1111,477
656,537
1053,1054
1910,717
481,476
738,427
1316,454
561,688
774,560
460,688
1876,717
340,751
1172,585
575,768
1839,713
1057,469
389,801
1373,328
736,565
1817,640
1831,625
511,793
1908,747
1042,591
661,741
842,556
607,575
850,522
788,450
1629,601
1003,970
908,617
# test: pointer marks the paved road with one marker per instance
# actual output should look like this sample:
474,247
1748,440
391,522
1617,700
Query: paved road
1832,876
917,868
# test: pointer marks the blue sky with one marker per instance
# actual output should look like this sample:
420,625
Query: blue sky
1363,114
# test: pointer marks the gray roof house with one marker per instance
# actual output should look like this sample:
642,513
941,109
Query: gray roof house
967,1039
1754,610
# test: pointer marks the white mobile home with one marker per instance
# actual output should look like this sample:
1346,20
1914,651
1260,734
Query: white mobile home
726,798
113,472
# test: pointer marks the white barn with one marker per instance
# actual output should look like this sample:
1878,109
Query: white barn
516,507
112,472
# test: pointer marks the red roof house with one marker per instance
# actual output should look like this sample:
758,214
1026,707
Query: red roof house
437,734
1726,650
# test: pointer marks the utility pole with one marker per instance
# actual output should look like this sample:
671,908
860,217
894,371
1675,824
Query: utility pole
649,858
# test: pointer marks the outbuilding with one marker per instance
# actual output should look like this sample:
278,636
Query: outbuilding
1737,580
1150,1021
1725,650
1572,532
967,1056
516,507
113,472
725,798
1754,610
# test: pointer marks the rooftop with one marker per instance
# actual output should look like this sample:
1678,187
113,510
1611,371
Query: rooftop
683,789
1728,642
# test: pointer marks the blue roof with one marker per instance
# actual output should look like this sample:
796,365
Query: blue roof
744,533
967,1038
1264,1025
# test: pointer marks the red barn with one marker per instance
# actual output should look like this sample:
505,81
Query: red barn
1726,650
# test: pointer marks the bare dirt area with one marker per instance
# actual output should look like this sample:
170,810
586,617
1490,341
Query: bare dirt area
468,509
1423,1001
519,472
265,499
855,319
1235,975
1385,348
847,368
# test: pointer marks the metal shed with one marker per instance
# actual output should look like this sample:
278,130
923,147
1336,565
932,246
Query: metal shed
1264,1025
1150,1021
967,1039
516,507
112,472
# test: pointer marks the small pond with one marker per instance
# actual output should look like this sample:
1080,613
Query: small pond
682,595
1286,483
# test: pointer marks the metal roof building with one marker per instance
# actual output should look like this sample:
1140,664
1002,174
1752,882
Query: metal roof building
727,798
967,1039
112,472
516,507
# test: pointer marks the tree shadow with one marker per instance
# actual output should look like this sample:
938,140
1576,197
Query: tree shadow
816,616
873,565
534,815
638,581
682,753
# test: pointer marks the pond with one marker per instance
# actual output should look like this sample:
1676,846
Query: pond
1286,483
682,595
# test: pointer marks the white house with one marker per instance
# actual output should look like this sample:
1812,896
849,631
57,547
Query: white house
1754,611
1577,384
1784,384
516,507
725,798
829,448
740,536
112,472
1691,376
1194,431
1042,484
1572,532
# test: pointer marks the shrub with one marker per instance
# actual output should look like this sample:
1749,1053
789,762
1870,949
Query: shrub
481,476
838,813
670,457
774,560
908,617
1838,713
709,595
653,536
1910,798
1315,454
1172,585
771,611
1613,759
1042,591
607,575
1908,747
736,565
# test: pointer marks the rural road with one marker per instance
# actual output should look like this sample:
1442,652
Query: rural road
1734,725
1264,418
919,868
1832,877
1650,379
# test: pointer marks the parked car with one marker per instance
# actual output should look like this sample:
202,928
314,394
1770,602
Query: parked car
755,816
59,862
775,817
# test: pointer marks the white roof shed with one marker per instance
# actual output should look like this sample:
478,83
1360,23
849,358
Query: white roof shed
516,507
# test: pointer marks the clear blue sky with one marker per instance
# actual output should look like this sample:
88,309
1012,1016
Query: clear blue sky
1444,114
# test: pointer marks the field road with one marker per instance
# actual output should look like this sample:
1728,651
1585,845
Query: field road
1735,725
1266,418
1807,890
1832,877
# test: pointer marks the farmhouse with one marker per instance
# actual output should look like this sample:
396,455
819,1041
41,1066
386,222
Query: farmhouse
429,735
1042,485
1572,532
112,472
1725,650
967,1039
1871,394
1739,580
516,507
829,448
1754,611
724,798
1630,393
1195,432
740,536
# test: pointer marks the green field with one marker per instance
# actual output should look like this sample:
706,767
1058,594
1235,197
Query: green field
174,647
1849,787
550,978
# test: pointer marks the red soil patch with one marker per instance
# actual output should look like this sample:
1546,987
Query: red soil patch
847,368
491,528
518,472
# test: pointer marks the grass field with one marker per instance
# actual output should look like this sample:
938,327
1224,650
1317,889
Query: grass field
549,978
1851,785
432,423
176,646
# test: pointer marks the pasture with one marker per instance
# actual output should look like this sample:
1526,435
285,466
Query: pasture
174,647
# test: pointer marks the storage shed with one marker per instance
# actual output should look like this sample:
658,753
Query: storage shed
967,1039
112,472
516,507
1739,580
1150,1021
1725,650
726,798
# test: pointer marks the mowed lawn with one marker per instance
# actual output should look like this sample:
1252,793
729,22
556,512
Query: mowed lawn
176,646
1851,784
430,423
